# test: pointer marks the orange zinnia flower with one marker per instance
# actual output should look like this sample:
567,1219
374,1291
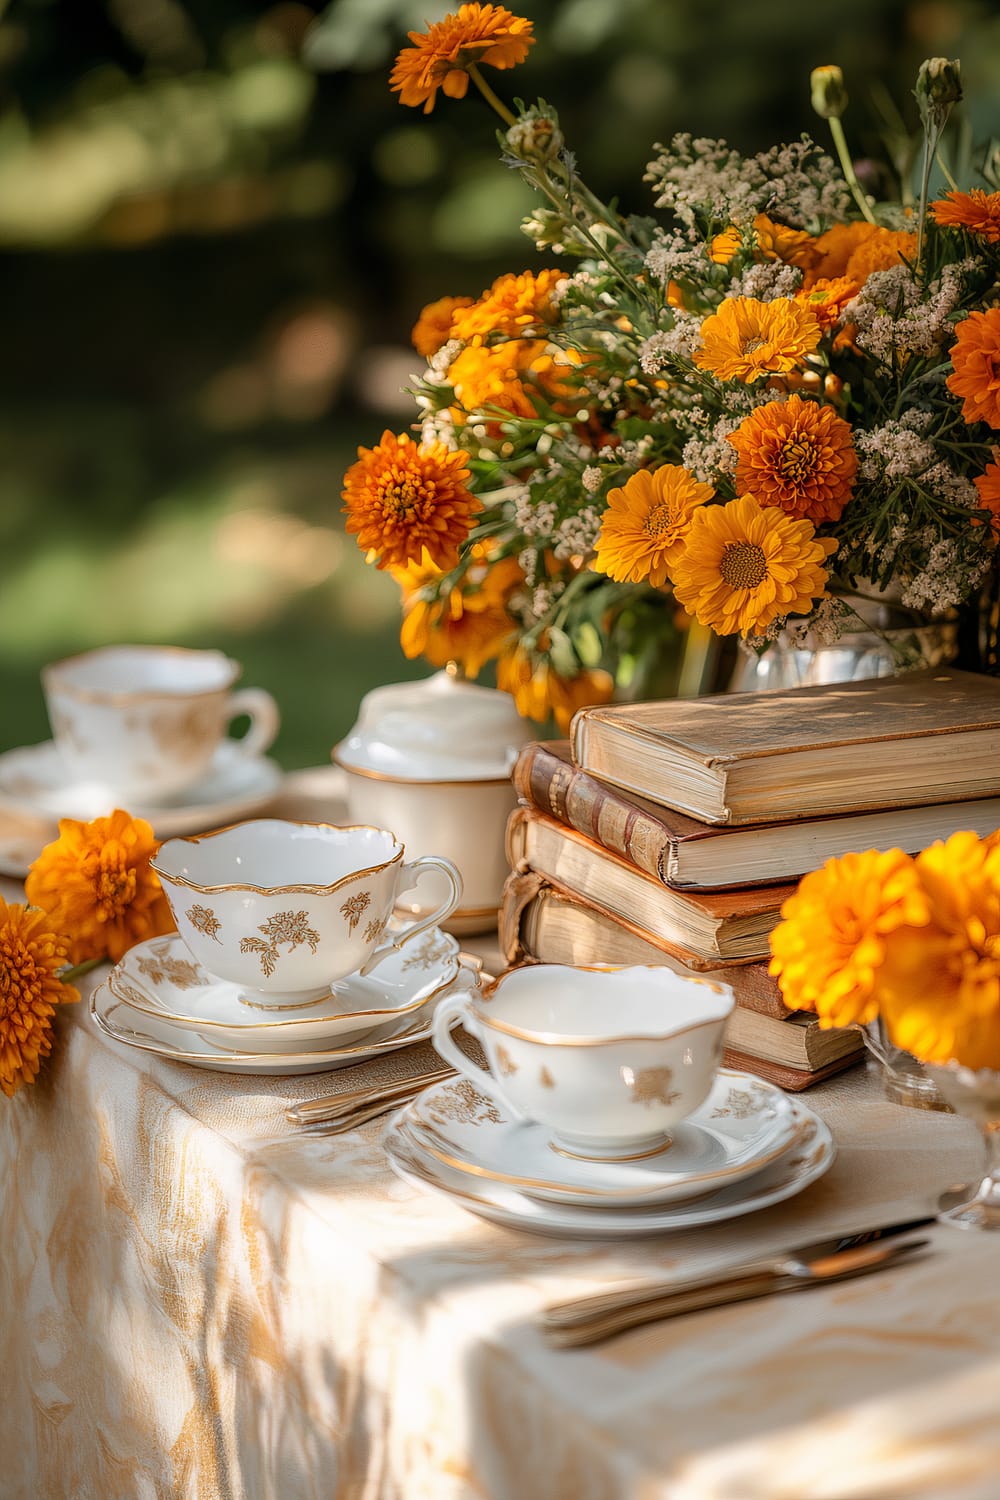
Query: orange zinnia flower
880,251
96,885
643,527
828,947
725,245
468,624
978,212
402,496
440,58
988,485
777,242
31,955
539,692
975,362
835,248
826,299
512,304
797,455
433,328
747,339
504,375
743,566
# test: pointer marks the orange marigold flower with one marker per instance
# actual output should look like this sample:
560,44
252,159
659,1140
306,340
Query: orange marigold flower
644,524
725,245
827,298
31,956
512,304
798,455
747,339
440,58
433,328
402,496
95,883
743,566
778,242
975,362
827,950
880,251
988,485
939,982
539,692
505,375
835,248
468,624
977,211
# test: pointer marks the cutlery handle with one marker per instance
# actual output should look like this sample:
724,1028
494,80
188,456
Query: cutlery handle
333,1106
359,1116
585,1321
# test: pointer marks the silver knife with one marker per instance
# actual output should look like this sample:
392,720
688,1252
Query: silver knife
590,1319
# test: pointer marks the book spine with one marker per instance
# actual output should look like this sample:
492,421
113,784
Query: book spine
594,809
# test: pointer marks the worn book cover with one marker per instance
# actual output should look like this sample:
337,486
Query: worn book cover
682,852
713,925
923,737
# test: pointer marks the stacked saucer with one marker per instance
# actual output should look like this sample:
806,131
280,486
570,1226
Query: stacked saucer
160,999
746,1147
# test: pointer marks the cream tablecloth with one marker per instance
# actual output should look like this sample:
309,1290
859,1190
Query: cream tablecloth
197,1302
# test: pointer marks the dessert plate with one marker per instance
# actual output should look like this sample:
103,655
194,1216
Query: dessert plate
117,1020
742,1126
163,982
34,779
812,1154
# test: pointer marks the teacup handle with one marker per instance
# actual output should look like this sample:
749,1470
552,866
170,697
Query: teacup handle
454,1008
262,711
409,874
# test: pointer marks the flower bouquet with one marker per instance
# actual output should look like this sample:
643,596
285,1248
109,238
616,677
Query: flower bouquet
729,417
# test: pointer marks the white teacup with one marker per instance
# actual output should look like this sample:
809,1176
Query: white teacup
145,721
607,1060
285,909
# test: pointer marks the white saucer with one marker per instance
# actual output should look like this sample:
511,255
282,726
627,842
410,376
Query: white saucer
161,981
117,1020
811,1156
34,779
743,1126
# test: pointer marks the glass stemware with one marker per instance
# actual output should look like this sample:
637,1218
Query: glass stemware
976,1095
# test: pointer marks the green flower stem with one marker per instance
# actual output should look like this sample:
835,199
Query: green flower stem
77,971
847,167
489,95
945,173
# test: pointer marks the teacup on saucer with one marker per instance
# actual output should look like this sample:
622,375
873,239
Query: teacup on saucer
607,1060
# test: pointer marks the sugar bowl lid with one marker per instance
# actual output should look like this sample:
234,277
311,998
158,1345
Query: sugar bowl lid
438,729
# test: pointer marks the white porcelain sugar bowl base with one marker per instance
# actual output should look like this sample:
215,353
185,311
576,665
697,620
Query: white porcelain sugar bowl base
432,760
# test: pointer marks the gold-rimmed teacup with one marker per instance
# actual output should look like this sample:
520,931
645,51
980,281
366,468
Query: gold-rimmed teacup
605,1059
286,909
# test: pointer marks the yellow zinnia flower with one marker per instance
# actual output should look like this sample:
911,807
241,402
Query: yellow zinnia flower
828,949
644,525
939,983
468,624
747,339
505,375
797,455
95,883
512,304
743,566
440,58
778,242
539,692
31,956
402,497
434,326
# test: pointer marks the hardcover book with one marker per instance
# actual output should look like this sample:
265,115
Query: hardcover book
712,925
889,742
541,923
682,852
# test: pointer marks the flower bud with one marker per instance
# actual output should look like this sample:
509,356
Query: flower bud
939,86
536,135
829,96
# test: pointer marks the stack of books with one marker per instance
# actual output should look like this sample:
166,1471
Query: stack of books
672,832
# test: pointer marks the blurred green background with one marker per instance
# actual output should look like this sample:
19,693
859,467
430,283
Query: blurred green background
217,227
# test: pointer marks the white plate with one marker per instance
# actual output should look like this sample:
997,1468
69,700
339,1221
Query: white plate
118,1020
743,1125
33,779
163,982
809,1158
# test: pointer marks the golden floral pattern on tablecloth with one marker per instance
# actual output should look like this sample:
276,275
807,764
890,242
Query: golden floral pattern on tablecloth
354,907
204,920
291,927
163,967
